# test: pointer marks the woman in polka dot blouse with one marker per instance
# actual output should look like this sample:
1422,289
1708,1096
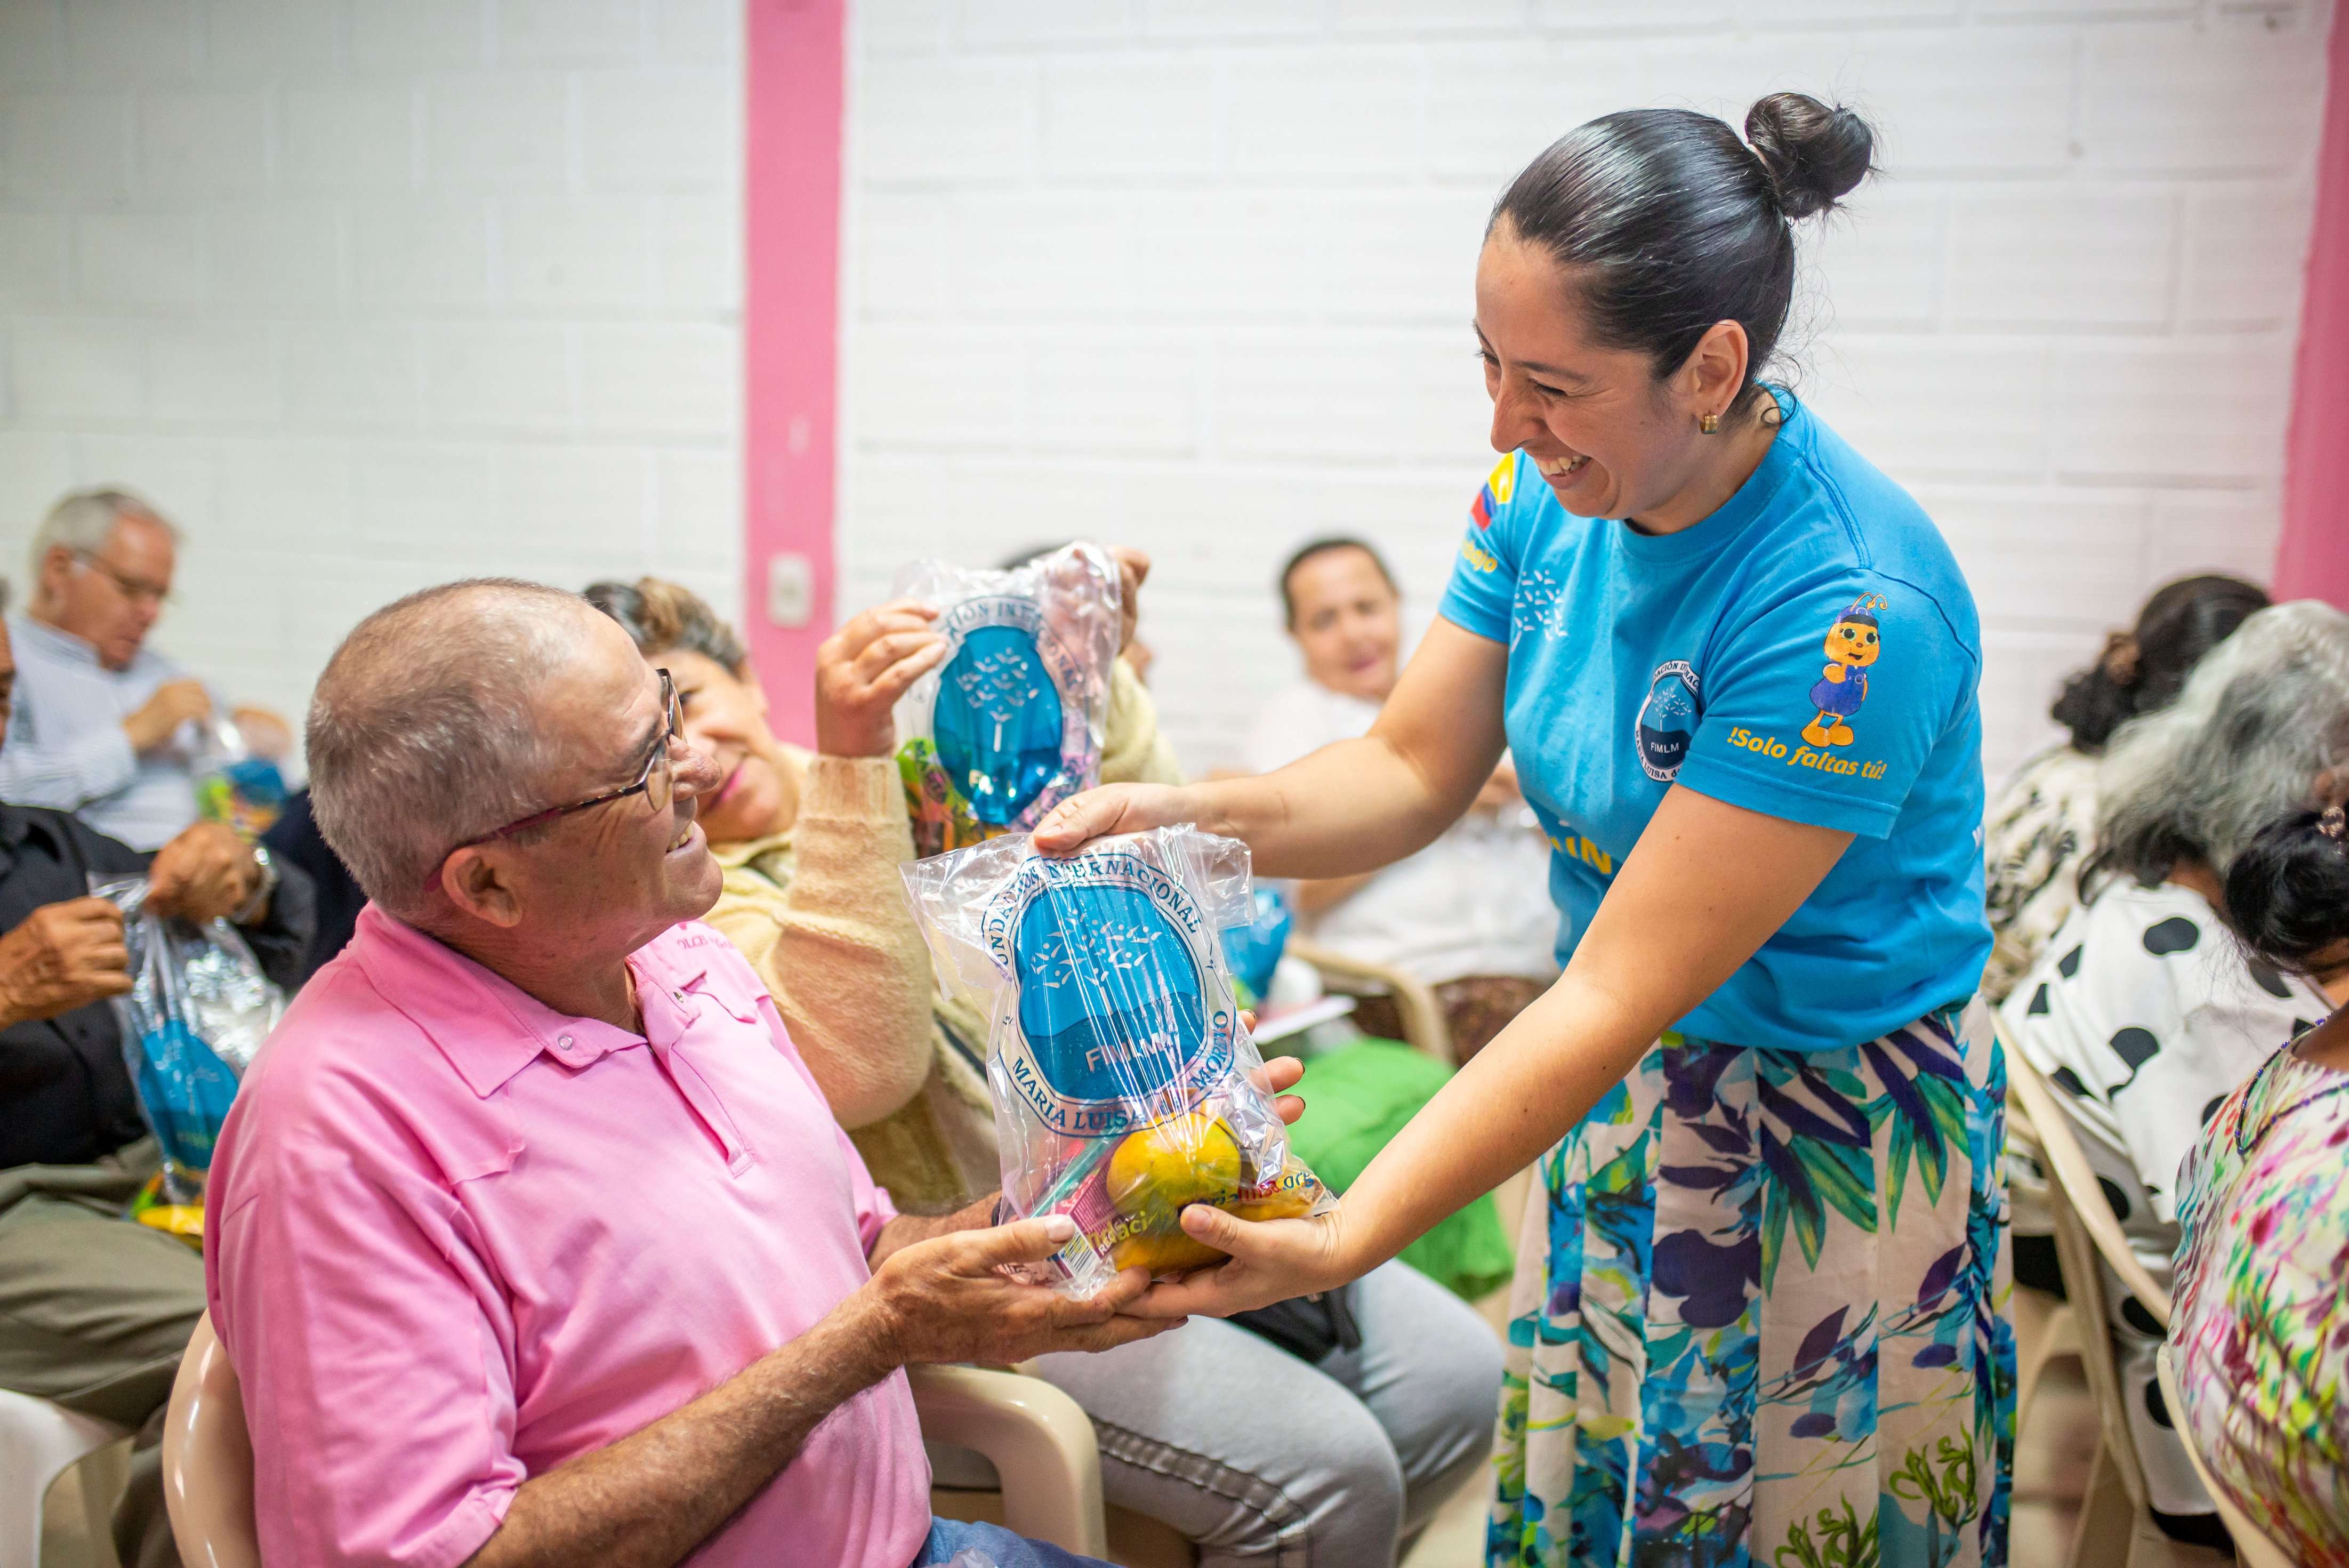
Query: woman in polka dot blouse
2143,1012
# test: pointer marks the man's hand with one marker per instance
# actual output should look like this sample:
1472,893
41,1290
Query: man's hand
1132,571
205,872
173,705
61,957
944,1300
863,668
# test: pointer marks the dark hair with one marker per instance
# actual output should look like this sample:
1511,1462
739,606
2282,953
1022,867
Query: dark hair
2142,672
658,615
1672,224
2288,892
1313,547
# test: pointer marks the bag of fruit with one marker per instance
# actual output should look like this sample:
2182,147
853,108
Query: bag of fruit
1013,722
1126,1085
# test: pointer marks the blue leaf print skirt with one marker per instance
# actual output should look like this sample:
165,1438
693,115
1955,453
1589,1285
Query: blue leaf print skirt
1758,1320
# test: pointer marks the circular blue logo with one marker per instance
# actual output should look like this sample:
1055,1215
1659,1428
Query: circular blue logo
997,722
1110,998
1667,722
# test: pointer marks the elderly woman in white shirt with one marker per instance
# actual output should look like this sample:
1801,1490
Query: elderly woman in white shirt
2144,1011
1471,913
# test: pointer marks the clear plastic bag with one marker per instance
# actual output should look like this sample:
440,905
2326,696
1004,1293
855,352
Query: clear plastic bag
235,783
1122,1074
1013,723
199,1008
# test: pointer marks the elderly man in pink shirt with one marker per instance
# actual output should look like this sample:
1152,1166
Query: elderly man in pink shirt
530,1236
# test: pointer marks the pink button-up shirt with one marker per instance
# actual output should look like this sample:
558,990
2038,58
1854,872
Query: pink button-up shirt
456,1239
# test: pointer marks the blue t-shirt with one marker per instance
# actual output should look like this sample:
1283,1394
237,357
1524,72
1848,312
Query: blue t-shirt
1809,650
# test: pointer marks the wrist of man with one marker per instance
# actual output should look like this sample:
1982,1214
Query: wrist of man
873,1332
854,741
264,885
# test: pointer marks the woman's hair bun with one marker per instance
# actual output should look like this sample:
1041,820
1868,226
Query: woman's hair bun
2288,891
1815,155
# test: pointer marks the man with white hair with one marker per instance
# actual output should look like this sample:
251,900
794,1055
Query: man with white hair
530,1236
98,713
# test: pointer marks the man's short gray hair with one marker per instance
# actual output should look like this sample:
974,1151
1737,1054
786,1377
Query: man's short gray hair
2263,715
425,729
85,519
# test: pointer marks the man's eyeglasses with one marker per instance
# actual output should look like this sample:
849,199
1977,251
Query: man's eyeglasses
657,783
133,588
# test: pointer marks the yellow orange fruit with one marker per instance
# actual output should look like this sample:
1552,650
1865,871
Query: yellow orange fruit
1189,1158
1164,1252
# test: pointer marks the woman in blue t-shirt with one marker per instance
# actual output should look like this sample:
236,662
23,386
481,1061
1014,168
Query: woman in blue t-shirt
1756,1318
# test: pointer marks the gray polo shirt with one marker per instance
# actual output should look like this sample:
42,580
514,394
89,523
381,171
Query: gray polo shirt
66,748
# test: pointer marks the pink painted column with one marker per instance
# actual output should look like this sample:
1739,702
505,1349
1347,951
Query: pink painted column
791,339
2312,562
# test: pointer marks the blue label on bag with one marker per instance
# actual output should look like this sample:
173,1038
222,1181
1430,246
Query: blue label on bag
186,1090
1123,1011
1000,716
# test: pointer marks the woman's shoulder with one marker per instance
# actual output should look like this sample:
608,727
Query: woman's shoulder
1869,521
2276,1149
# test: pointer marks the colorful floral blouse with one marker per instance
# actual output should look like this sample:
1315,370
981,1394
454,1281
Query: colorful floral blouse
2261,1323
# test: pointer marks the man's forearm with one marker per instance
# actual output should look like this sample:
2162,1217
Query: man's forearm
654,1496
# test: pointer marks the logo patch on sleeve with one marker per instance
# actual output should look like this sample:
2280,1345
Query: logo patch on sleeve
1667,722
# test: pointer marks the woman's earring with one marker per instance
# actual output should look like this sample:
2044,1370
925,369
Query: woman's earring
1708,424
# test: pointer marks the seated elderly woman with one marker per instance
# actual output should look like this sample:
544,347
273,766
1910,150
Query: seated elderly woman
2042,827
2142,1012
1246,1450
529,1235
2264,1265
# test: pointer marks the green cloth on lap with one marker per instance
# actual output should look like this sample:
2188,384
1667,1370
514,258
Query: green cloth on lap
1357,1098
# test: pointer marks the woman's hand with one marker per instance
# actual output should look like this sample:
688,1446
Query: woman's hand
1113,808
863,668
1132,571
1271,1261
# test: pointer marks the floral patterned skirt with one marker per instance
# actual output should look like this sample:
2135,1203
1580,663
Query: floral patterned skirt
1758,1320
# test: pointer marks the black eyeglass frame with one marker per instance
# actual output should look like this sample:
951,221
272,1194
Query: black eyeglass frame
657,783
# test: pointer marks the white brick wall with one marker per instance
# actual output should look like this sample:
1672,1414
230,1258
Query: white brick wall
1196,274
368,293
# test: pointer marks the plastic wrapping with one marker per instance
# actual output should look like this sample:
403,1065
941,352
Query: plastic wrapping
1013,723
1253,948
199,1008
1121,1072
236,784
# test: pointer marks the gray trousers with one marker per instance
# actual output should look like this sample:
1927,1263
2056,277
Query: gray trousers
1266,1461
94,1314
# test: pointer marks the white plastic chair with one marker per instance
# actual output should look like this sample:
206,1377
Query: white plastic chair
2117,1528
207,1459
1424,1026
40,1441
1039,1441
1037,1438
2254,1547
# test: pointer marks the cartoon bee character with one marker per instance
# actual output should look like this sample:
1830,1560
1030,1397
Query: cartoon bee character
1852,646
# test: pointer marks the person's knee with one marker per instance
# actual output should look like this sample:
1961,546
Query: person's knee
1329,1494
1351,1486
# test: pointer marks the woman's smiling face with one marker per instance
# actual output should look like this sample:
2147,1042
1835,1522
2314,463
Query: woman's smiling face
1610,440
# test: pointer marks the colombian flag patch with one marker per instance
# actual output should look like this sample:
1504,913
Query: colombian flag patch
1499,485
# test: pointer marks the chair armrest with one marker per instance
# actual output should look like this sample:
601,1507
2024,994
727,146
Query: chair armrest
1041,1443
1425,1027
